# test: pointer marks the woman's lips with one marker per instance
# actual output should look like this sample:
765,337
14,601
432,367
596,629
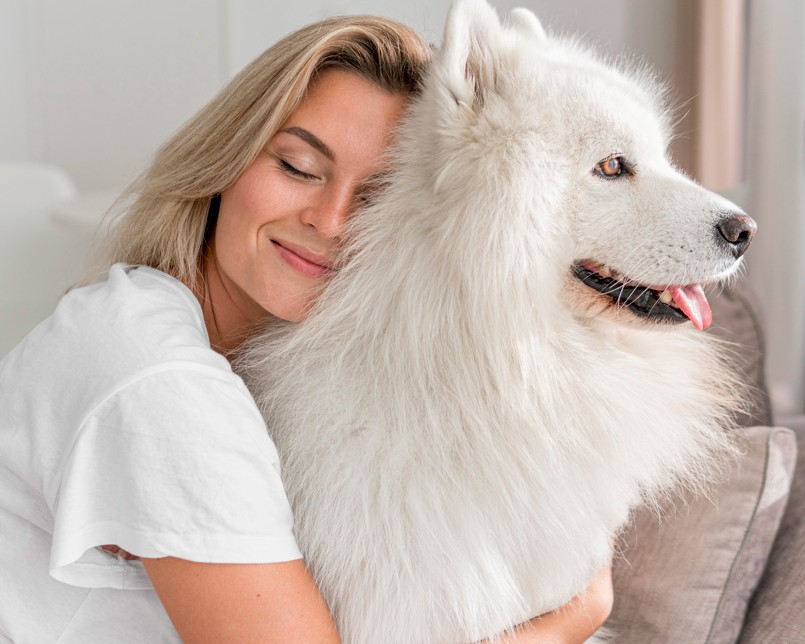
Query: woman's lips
303,260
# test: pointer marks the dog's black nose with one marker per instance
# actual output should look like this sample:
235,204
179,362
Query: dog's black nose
737,231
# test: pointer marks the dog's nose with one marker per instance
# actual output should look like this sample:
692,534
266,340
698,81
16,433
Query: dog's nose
737,231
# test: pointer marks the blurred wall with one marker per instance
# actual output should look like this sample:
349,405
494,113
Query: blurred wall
15,122
107,82
775,170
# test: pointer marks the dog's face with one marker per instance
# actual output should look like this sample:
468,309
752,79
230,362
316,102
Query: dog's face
580,148
645,236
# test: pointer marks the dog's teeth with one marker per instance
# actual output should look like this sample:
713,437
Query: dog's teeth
616,275
604,271
665,297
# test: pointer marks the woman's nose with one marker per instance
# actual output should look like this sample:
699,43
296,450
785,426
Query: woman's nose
329,215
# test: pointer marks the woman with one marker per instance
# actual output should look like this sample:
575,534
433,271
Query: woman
140,496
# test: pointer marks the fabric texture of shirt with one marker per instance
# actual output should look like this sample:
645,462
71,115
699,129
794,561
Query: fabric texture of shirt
120,425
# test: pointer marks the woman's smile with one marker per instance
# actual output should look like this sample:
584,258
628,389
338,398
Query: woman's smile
303,260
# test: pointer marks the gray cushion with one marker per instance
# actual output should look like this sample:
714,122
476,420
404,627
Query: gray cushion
689,577
737,319
777,611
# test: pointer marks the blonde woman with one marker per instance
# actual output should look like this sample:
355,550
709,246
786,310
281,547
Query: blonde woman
140,496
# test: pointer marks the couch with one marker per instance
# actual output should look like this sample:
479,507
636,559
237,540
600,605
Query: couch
728,567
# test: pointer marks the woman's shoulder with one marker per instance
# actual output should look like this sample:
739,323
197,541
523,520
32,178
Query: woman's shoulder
134,296
136,309
133,320
136,326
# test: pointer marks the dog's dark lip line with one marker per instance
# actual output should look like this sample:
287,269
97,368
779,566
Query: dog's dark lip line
640,300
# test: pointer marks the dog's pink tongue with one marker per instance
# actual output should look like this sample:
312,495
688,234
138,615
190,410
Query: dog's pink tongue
693,303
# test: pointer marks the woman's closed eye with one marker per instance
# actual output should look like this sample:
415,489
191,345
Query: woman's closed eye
295,172
290,169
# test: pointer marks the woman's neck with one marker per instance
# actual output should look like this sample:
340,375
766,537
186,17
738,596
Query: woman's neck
229,315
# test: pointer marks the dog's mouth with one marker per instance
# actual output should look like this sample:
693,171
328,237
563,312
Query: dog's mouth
664,304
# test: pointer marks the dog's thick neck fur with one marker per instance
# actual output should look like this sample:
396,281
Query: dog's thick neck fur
459,445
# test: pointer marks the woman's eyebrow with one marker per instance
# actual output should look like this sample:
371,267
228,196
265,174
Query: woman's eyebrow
312,140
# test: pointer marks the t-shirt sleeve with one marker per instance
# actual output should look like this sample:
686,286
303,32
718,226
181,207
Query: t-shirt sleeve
174,463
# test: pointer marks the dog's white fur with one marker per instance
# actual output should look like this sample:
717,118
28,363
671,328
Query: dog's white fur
464,426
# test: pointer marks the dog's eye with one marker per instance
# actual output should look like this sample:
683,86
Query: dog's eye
612,167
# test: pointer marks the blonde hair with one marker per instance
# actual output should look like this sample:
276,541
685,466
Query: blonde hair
165,218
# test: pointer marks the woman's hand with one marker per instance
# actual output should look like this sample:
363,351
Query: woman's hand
574,622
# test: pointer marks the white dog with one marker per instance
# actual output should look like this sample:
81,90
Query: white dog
506,364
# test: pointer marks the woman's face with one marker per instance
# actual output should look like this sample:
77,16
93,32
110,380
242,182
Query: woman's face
279,224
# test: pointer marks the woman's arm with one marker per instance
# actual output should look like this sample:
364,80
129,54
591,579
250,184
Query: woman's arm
280,603
276,602
574,622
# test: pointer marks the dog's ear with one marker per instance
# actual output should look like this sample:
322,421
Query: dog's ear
471,32
527,23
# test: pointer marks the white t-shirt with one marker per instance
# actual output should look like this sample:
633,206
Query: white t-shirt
120,425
